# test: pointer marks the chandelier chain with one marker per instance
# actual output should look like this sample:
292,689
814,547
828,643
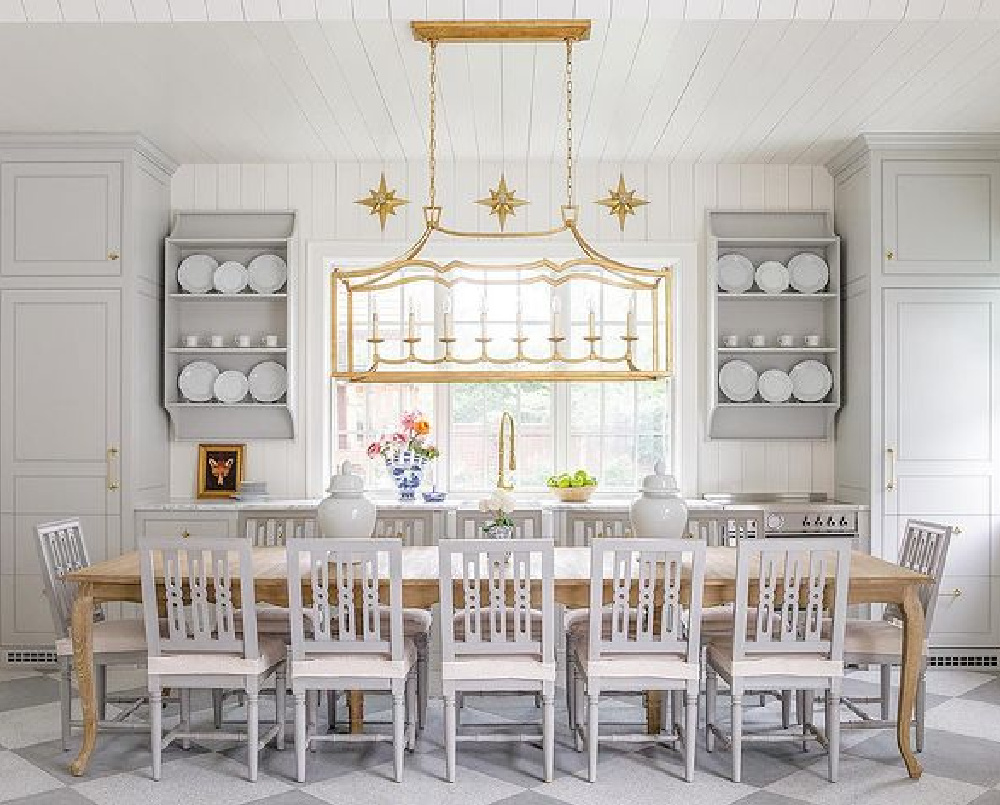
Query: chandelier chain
569,122
432,139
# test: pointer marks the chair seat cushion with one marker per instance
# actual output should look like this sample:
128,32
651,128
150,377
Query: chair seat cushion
272,651
720,656
873,638
355,665
498,667
631,666
111,637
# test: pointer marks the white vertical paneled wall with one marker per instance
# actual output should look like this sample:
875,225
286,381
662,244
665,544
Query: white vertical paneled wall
323,194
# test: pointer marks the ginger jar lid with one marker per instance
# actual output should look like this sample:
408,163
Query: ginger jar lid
346,483
660,484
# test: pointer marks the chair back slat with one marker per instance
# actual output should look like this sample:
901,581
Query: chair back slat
716,528
205,610
62,550
505,585
350,582
800,582
274,530
636,603
582,527
924,549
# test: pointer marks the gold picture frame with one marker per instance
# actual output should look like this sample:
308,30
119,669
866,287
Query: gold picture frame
220,470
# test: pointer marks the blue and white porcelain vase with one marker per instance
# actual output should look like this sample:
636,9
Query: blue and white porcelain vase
407,471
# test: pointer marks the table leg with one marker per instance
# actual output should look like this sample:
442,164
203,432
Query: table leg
913,655
356,710
82,625
654,710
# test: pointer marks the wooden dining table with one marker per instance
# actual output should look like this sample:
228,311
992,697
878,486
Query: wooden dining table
872,581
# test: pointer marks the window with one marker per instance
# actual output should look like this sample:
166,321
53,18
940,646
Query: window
616,431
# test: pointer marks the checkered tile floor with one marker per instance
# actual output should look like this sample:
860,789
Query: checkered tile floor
961,761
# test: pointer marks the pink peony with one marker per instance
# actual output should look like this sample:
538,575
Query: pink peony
374,449
399,438
408,419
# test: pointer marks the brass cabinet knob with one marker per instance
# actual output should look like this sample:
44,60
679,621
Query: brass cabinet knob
114,254
956,529
185,534
889,254
956,593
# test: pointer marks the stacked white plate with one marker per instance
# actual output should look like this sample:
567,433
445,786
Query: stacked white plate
774,386
268,273
268,382
195,273
231,387
811,381
738,381
772,277
231,277
808,272
197,381
734,273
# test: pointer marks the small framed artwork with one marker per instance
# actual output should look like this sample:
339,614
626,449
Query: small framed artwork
220,470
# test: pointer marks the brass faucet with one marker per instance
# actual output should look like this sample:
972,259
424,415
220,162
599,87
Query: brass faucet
502,482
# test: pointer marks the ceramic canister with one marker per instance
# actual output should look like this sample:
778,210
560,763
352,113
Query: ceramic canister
659,511
346,512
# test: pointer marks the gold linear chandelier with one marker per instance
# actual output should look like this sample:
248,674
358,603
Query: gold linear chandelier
636,346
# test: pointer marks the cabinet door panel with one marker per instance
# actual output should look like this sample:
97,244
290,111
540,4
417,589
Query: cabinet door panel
61,219
967,613
942,349
61,410
940,217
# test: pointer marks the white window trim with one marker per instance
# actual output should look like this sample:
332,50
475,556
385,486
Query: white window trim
314,357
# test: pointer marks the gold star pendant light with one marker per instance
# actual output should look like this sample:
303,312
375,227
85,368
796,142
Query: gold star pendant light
502,202
382,201
621,201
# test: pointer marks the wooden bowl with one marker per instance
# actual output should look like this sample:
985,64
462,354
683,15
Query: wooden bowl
573,494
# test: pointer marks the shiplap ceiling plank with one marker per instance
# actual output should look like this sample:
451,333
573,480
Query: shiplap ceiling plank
12,11
516,98
152,11
224,10
114,10
483,64
188,10
42,10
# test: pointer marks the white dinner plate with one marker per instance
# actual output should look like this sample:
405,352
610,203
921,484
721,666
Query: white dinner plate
268,382
195,273
734,273
231,277
811,381
267,273
774,386
808,272
231,386
738,381
196,381
772,276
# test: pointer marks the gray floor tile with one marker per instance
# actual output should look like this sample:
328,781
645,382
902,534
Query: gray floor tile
21,779
958,757
530,798
990,692
60,796
27,692
290,798
989,798
767,798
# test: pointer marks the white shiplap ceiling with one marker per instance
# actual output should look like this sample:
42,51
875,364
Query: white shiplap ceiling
313,81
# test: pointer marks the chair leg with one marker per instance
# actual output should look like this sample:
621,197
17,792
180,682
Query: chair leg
737,719
185,696
217,697
711,692
593,727
300,737
331,709
398,733
156,729
423,680
253,726
579,700
549,735
101,685
449,736
570,694
459,704
678,713
312,715
786,709
280,694
920,710
885,692
807,716
833,732
690,732
65,699
412,711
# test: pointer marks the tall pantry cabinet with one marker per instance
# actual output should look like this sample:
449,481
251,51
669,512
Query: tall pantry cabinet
82,431
918,435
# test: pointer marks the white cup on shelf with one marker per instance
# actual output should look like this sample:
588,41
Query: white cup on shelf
730,341
812,340
191,341
269,341
217,342
786,340
758,340
242,341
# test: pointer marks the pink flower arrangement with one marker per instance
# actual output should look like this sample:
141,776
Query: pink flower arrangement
412,435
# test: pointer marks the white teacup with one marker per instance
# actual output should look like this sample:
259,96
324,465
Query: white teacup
269,341
730,341
812,340
217,341
242,341
758,340
191,341
786,340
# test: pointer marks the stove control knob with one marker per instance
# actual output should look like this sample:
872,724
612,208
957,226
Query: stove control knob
806,522
831,522
774,521
843,522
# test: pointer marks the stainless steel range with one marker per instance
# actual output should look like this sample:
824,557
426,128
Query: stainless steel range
808,515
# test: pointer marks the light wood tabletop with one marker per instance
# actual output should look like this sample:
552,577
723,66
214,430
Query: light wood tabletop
872,581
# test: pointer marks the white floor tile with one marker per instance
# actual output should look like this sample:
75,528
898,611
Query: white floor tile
13,673
869,781
210,779
940,681
19,778
966,717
